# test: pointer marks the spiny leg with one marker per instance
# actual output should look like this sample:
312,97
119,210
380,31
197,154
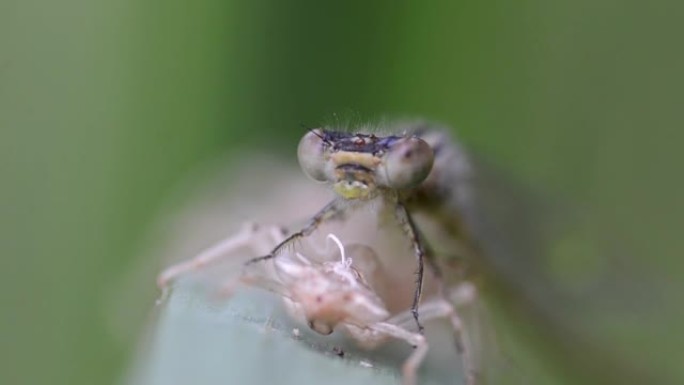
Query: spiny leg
427,253
330,211
457,297
411,231
430,257
424,251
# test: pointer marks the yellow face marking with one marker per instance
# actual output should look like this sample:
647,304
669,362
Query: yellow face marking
361,158
352,190
355,184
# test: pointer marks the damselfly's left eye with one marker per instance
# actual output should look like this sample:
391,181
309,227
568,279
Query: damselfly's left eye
407,163
311,157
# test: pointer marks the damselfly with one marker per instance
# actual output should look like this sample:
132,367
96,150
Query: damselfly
419,168
460,217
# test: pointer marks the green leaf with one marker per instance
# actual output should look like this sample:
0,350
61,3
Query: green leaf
249,339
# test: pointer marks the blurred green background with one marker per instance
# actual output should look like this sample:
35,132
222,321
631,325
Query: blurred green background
106,106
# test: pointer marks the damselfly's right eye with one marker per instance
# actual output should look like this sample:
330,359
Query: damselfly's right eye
408,163
310,154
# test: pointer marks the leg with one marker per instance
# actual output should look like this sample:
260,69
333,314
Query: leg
441,308
434,267
462,295
330,211
410,367
244,238
410,229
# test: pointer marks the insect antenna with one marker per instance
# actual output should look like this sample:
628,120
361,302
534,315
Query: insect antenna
313,131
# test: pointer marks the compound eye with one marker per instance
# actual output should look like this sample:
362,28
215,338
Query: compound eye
408,163
310,154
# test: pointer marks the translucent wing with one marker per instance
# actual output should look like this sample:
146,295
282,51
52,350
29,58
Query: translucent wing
560,277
